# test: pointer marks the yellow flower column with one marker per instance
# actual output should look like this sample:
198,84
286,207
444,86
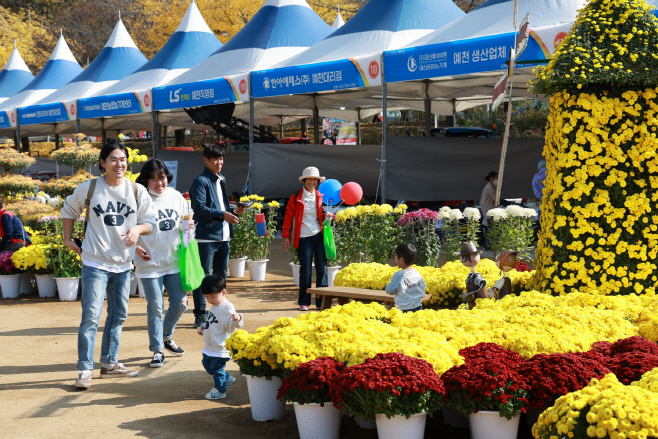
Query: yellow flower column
600,208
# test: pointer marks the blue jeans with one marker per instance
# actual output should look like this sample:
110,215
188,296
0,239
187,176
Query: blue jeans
159,331
215,367
95,283
214,259
418,308
309,246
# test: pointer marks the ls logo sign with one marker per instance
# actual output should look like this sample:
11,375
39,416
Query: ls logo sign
174,95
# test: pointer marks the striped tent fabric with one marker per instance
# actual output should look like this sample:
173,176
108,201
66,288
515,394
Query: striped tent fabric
14,76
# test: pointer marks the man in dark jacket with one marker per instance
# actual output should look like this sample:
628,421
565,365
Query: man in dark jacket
214,220
12,232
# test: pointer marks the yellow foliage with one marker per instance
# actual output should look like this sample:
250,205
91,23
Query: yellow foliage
33,42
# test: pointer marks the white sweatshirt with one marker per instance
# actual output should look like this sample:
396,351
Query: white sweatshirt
218,328
163,245
112,211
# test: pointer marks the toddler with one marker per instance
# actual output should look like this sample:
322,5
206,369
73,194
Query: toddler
407,284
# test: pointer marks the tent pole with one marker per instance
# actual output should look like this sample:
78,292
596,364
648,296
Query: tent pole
281,126
428,109
77,124
247,185
383,172
154,130
358,126
19,147
165,136
102,133
454,112
316,123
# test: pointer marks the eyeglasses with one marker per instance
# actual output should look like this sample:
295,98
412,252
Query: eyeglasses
115,161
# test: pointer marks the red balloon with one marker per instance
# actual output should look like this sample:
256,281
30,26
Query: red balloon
351,193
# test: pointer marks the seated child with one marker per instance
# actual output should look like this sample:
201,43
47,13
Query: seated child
407,284
221,321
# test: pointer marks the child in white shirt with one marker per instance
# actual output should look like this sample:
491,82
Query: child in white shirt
407,284
221,321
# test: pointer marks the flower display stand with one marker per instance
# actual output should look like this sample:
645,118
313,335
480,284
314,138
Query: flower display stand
257,270
10,285
26,283
46,285
453,418
295,273
490,425
369,424
67,287
236,267
331,275
315,421
262,398
400,426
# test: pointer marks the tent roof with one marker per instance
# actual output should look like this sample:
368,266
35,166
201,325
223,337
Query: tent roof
495,17
119,58
14,76
279,30
191,43
380,25
338,22
58,71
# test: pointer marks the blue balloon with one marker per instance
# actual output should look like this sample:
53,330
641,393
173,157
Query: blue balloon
330,190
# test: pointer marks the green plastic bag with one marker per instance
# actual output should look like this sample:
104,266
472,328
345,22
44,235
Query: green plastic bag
191,272
329,244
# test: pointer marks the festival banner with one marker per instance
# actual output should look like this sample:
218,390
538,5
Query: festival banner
8,118
116,105
312,78
47,113
196,94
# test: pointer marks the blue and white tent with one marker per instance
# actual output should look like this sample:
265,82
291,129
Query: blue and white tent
119,58
14,76
129,102
60,69
279,30
338,22
462,82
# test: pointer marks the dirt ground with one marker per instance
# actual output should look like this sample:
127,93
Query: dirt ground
38,368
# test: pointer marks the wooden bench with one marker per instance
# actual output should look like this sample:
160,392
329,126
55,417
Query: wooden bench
345,294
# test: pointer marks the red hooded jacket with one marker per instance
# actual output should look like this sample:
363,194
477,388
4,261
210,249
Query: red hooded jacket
295,213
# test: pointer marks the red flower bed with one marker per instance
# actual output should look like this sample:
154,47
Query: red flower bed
390,384
486,384
309,383
522,266
630,366
633,344
551,376
491,351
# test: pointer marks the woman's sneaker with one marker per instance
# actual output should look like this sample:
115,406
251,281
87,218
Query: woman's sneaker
118,371
215,394
172,347
158,359
84,379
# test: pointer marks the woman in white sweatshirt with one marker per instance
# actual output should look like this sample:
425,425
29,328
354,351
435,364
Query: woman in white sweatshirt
157,264
118,212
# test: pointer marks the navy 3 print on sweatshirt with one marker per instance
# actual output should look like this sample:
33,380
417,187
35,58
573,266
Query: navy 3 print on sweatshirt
114,213
167,219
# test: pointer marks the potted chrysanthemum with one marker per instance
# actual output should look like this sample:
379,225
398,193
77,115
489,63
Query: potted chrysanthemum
308,389
34,260
10,277
393,389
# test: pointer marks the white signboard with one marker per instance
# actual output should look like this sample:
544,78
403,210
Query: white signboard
173,168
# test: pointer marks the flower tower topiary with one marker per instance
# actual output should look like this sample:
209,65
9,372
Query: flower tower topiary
600,209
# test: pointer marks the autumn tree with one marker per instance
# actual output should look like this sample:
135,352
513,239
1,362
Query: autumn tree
34,42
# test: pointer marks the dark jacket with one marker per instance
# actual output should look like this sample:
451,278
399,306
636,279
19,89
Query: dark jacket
205,203
11,230
295,213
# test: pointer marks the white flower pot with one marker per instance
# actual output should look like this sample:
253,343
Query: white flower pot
236,267
453,418
133,284
317,422
10,285
257,270
331,275
67,287
262,397
26,283
399,426
369,424
140,289
46,285
295,273
487,424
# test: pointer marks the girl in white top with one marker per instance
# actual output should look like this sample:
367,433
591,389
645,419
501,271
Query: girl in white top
157,262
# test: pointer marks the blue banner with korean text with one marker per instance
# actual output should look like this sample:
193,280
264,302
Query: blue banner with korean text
47,113
197,94
116,105
312,78
8,118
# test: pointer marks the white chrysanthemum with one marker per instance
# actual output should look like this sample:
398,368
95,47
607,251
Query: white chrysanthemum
40,199
445,209
497,214
514,210
529,213
444,215
456,214
472,213
54,202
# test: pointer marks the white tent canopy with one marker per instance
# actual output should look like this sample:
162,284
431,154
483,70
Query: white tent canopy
14,76
338,22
